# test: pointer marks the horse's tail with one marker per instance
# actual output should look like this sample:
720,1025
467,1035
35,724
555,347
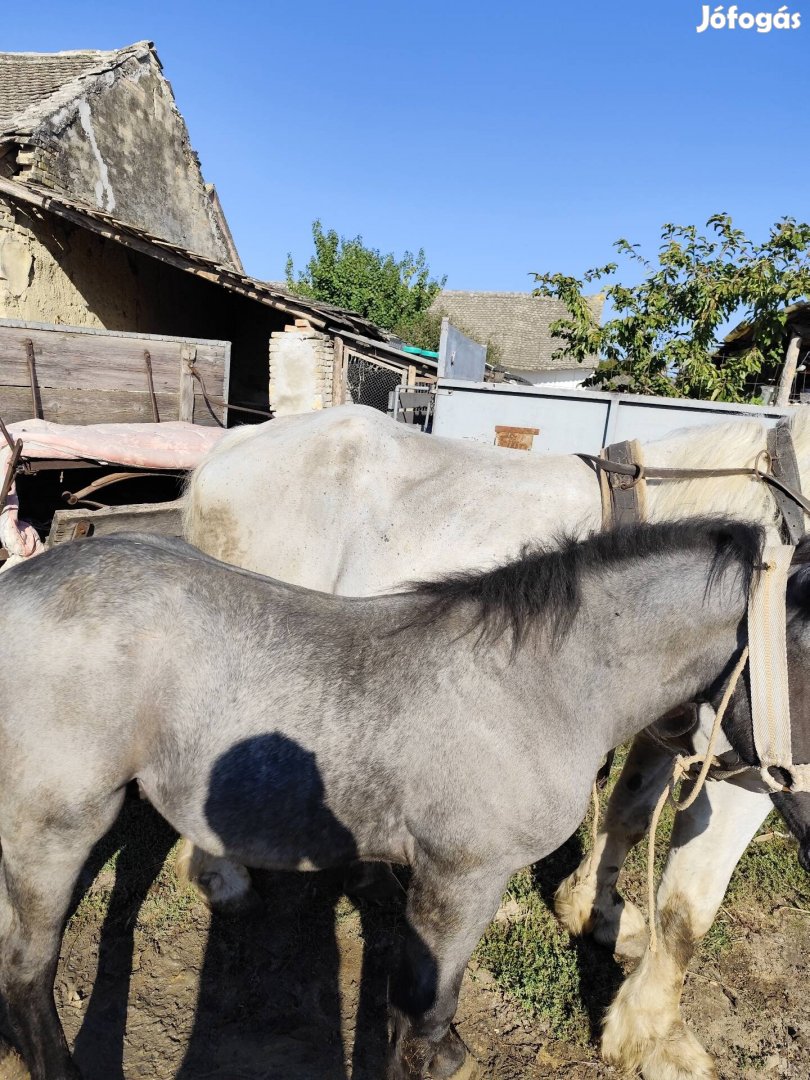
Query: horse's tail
184,862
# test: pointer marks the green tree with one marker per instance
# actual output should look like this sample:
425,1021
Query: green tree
423,329
663,334
346,273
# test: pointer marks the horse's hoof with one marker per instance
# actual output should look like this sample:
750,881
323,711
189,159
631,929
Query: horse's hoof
574,903
225,886
679,1056
452,1060
653,1041
468,1071
11,1064
225,900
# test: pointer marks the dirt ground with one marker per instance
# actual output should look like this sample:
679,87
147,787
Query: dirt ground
150,985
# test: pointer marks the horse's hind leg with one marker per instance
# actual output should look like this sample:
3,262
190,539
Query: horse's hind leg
446,915
39,868
587,900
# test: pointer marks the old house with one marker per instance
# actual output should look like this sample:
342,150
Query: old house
784,382
106,222
518,324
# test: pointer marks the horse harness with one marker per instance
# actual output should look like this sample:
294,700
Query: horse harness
622,479
623,475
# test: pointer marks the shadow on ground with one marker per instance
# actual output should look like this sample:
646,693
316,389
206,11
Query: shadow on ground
262,993
151,986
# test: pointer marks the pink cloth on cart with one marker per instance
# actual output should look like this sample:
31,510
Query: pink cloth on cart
174,445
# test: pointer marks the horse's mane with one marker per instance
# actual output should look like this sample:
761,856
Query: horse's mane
545,581
798,589
736,443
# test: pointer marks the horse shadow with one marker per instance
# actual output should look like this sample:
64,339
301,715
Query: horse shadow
294,987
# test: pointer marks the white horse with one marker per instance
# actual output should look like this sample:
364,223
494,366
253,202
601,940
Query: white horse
347,501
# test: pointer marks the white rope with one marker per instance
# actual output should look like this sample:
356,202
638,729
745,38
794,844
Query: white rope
680,768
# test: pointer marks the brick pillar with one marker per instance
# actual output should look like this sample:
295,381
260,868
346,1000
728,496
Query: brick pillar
301,365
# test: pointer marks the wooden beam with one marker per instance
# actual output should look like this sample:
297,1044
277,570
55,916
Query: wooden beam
162,519
185,400
382,350
788,375
338,373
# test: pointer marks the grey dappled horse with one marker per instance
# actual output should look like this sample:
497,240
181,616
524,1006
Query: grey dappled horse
644,1030
455,728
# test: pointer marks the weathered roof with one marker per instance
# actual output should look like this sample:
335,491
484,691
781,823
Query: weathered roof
515,321
35,84
797,322
323,316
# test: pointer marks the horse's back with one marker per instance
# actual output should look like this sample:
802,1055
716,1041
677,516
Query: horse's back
346,500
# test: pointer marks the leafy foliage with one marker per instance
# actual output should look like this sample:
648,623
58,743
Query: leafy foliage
531,957
423,329
663,335
350,275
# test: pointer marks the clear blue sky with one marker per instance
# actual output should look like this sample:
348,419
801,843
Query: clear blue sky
501,137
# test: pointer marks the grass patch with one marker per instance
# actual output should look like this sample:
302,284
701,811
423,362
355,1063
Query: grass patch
130,875
769,872
565,984
531,957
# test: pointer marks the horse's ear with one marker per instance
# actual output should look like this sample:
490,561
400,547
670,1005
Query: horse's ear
801,555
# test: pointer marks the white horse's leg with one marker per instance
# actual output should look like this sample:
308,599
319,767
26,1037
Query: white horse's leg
644,1029
587,901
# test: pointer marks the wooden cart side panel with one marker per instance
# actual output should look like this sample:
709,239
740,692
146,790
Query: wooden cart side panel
98,406
72,361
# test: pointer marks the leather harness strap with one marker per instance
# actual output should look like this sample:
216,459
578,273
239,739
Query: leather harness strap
784,466
783,478
623,503
622,477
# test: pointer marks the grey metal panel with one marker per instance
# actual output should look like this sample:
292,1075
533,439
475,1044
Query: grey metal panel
574,420
646,422
565,426
459,356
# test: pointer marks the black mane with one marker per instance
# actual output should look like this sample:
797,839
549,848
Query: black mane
798,590
545,580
